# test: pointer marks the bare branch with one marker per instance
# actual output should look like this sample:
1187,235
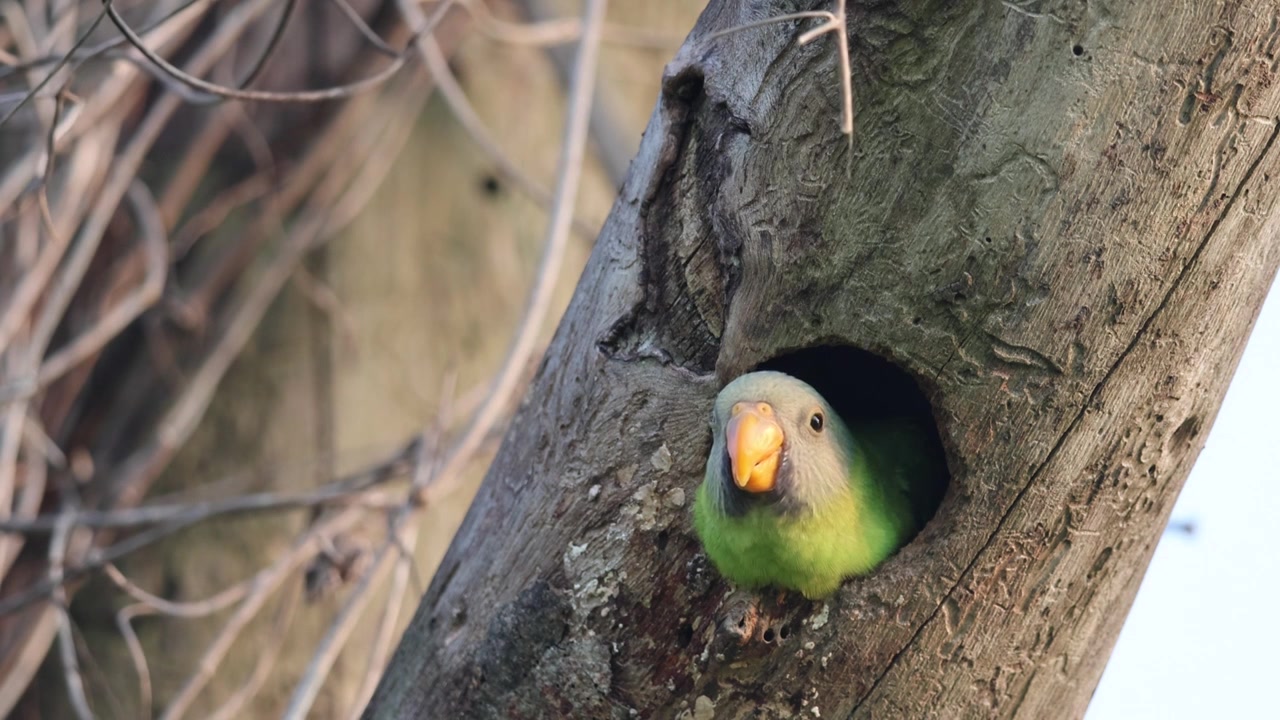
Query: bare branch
333,93
111,91
26,505
265,663
385,634
189,609
551,31
837,24
347,491
466,115
276,33
125,167
215,213
363,28
66,641
62,60
155,251
264,584
137,655
405,531
91,53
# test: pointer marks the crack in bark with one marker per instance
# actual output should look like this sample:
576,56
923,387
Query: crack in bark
1084,407
680,316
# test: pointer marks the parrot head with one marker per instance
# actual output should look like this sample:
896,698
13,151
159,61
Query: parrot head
775,442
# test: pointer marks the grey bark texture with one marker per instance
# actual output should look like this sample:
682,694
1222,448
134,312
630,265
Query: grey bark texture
1061,217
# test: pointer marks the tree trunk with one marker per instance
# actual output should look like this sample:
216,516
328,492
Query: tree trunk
1059,217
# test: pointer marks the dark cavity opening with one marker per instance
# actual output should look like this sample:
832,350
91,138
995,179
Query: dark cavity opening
685,635
1077,50
871,392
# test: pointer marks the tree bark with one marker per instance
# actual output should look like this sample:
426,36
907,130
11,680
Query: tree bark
1059,217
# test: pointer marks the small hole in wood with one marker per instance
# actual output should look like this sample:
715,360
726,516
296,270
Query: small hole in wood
769,635
685,634
1186,432
1077,50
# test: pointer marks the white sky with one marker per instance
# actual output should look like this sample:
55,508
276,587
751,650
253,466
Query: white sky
1201,641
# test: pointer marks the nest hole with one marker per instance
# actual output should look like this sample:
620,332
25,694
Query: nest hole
868,391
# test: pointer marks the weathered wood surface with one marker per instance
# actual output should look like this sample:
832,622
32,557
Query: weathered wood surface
1061,217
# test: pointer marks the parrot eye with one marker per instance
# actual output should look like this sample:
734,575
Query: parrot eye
815,422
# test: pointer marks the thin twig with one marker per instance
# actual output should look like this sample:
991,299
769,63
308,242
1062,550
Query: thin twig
339,492
265,663
304,694
137,655
549,31
33,282
222,91
111,93
149,604
66,640
211,216
426,467
180,520
326,300
27,504
86,54
276,34
466,115
363,28
837,24
41,453
193,167
155,250
63,59
385,634
13,419
264,585
125,167
155,604
191,307
774,20
568,174
614,145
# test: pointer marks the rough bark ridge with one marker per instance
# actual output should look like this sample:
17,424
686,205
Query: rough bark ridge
1059,216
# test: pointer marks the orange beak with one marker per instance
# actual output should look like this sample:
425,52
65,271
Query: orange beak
754,441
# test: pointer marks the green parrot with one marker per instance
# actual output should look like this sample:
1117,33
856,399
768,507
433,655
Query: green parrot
795,498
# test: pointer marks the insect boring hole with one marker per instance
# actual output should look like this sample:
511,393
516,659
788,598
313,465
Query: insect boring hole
879,398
